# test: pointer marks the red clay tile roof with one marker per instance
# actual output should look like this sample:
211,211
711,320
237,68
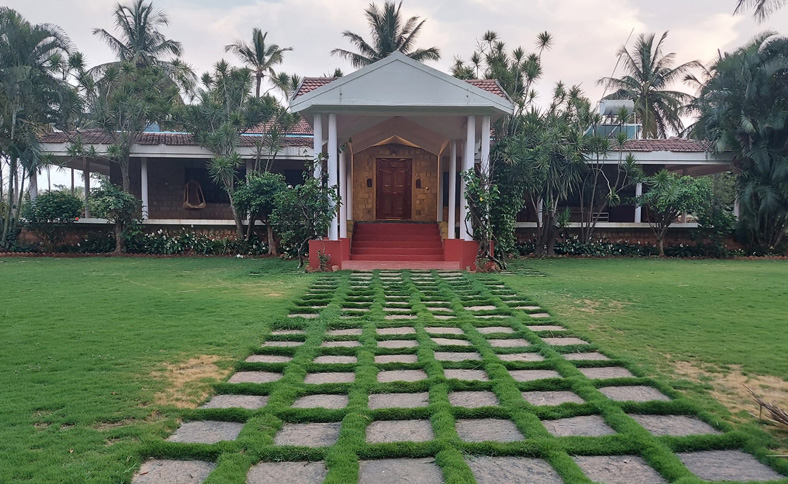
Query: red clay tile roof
312,83
92,137
676,145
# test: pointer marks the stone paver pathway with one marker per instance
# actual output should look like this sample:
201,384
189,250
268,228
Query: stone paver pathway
429,376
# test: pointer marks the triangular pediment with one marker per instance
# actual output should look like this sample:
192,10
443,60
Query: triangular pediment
396,83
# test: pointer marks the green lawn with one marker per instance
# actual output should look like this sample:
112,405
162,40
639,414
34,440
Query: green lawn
95,352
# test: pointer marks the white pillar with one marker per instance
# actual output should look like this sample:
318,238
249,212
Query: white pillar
72,181
349,189
33,186
318,144
485,145
736,208
466,228
439,191
343,196
452,187
638,208
144,187
333,168
86,174
539,210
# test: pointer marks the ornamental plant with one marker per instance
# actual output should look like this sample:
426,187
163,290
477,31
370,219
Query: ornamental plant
119,208
50,214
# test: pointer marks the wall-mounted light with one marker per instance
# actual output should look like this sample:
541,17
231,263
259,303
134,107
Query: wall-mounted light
418,183
369,182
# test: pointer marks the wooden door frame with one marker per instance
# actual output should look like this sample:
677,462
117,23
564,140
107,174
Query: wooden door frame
410,184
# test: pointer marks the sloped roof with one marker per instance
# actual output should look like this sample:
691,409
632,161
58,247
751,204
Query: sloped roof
309,84
94,137
676,145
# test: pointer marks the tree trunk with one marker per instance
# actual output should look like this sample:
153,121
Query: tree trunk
249,228
259,82
120,244
10,201
124,173
272,246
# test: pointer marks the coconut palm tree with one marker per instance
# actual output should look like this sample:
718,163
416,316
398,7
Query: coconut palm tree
763,8
258,56
390,33
649,75
140,42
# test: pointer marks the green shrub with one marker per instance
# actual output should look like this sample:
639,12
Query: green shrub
50,214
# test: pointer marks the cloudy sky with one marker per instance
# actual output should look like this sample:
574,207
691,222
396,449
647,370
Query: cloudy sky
587,33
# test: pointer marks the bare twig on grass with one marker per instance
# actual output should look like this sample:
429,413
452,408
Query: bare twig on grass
775,414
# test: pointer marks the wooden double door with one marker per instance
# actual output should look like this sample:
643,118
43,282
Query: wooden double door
393,188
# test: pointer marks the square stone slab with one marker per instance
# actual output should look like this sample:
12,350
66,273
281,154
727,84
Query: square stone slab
335,359
303,315
532,375
521,357
546,327
508,343
618,469
564,341
473,399
728,465
528,308
495,330
395,309
481,308
539,315
505,470
450,342
254,377
401,375
284,332
590,356
287,473
396,359
330,377
438,309
488,429
467,375
322,401
398,400
173,472
395,331
443,330
340,344
383,431
249,402
281,344
400,316
206,432
584,426
345,332
635,393
606,372
398,343
268,359
390,471
551,398
452,356
674,425
321,434
492,316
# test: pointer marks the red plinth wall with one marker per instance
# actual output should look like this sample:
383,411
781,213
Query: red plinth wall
462,251
335,249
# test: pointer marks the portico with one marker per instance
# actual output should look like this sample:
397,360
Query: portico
394,135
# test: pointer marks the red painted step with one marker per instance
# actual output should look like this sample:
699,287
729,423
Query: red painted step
396,242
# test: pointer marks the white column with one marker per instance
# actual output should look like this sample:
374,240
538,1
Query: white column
638,208
343,196
333,168
736,208
72,181
452,187
144,187
86,174
467,162
318,144
33,186
439,191
249,168
485,145
349,189
539,210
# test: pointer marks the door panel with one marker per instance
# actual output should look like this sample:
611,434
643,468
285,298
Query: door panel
393,188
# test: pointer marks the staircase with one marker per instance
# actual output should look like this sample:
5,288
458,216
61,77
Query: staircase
398,241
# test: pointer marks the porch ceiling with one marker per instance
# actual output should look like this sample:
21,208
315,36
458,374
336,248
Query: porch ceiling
403,128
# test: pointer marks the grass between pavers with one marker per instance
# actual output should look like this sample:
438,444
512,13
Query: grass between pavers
447,448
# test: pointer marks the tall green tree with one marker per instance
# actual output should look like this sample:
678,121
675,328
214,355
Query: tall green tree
225,109
33,95
744,109
761,8
140,42
648,80
259,56
390,32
